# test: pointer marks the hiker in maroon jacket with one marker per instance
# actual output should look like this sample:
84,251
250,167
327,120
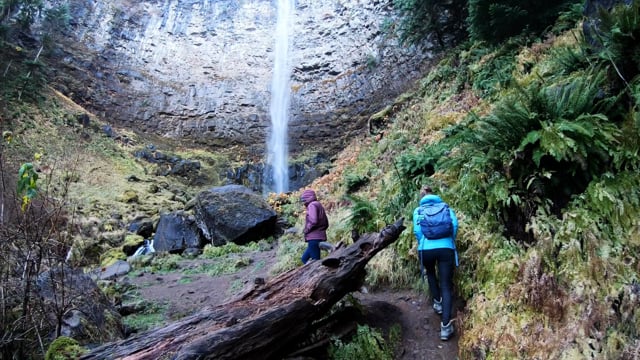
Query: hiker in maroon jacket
315,225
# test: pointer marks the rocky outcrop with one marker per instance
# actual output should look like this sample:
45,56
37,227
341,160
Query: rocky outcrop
201,70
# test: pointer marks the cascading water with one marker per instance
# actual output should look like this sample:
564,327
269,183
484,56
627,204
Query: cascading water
277,161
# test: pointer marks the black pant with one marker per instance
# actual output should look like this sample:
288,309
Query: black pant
442,289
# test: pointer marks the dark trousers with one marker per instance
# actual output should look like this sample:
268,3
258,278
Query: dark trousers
312,252
440,285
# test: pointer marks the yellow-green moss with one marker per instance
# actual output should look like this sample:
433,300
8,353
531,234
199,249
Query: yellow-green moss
64,348
133,240
111,256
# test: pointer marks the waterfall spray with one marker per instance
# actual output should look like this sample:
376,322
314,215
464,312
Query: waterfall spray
280,99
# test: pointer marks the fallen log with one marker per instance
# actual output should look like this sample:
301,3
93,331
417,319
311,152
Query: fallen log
267,320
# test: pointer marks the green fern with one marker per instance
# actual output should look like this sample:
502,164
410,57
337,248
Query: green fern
581,93
353,182
412,165
540,145
618,32
367,344
494,69
564,60
568,18
629,151
574,141
364,215
616,198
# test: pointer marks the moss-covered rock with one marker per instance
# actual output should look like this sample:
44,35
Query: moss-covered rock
112,238
131,243
64,348
111,256
129,196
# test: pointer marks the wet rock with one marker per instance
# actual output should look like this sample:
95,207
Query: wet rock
132,243
142,226
233,213
176,232
117,269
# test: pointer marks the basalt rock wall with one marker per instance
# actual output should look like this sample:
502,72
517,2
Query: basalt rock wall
200,71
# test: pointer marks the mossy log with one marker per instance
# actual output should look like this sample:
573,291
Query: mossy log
267,320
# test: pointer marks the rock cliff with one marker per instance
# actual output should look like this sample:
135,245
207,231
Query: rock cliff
200,71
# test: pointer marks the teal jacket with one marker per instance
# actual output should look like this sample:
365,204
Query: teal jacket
423,243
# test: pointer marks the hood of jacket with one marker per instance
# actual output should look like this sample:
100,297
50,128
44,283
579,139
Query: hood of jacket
308,196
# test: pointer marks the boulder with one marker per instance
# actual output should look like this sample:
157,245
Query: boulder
115,270
142,226
176,232
233,213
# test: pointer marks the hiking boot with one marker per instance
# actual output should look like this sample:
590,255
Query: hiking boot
446,331
437,306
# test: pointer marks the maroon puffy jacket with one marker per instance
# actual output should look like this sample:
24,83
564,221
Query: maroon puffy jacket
316,221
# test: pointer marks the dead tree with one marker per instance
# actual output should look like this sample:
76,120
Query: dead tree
266,321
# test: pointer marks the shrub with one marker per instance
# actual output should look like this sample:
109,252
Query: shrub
364,215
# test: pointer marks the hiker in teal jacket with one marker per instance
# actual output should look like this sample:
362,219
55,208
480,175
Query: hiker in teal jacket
439,252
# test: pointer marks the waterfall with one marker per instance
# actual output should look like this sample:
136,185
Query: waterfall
277,160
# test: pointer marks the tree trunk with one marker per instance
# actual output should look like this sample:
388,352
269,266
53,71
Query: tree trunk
266,321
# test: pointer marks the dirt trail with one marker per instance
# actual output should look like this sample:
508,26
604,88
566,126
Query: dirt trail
420,324
383,308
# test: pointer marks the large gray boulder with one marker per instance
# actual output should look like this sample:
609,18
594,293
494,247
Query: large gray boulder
233,213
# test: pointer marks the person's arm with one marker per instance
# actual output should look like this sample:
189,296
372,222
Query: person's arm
454,221
312,217
416,227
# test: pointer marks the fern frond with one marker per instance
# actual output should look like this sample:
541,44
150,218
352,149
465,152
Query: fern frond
363,216
618,33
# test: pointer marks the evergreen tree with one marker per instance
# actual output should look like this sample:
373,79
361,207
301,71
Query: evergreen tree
496,20
23,11
442,20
